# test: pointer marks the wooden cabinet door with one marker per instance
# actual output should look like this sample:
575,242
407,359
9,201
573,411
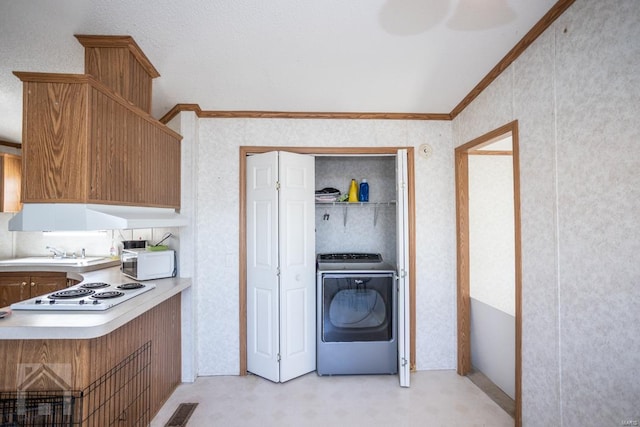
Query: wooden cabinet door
13,288
10,175
41,284
19,286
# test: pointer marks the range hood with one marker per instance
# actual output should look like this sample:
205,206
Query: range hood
76,217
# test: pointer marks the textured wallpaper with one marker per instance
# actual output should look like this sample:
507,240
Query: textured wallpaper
575,94
533,99
598,164
358,228
217,224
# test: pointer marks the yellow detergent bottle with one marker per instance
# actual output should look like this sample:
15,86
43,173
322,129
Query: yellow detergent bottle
353,191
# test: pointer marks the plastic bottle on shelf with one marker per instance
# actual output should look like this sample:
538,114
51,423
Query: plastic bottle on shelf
363,196
353,191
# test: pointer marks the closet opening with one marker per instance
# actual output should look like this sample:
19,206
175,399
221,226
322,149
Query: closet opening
323,154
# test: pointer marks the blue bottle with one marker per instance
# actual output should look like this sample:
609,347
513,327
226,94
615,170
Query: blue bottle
363,195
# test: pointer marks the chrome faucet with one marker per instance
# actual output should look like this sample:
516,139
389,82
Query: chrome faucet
56,252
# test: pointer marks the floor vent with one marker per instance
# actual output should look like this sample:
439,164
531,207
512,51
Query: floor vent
181,415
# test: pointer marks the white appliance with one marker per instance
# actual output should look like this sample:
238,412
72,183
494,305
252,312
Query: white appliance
94,296
142,264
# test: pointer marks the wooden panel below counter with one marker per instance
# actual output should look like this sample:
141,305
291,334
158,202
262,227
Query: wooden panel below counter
80,364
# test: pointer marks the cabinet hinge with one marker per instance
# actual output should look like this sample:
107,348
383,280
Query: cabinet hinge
278,358
404,362
277,185
278,271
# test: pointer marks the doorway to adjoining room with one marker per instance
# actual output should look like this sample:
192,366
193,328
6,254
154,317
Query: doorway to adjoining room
489,265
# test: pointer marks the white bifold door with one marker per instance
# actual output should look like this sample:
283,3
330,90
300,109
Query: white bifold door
402,257
281,280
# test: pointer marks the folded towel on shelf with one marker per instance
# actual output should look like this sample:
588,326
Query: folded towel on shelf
327,194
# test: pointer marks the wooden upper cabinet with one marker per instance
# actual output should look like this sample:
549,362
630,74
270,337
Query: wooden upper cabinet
120,64
83,143
89,138
10,178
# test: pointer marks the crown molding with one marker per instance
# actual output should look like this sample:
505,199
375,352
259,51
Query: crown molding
209,114
126,42
177,109
10,144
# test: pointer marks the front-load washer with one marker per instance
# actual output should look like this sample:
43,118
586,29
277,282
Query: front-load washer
356,315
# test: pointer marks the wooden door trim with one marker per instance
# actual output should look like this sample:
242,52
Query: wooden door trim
242,294
462,235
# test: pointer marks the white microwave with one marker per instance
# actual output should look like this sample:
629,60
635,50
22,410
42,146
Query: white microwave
141,264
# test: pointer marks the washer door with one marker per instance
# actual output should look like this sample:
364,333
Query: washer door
357,308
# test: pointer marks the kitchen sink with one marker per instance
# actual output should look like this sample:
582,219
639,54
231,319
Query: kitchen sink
42,260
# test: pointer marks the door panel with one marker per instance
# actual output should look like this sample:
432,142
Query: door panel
297,265
280,265
262,267
264,338
295,330
13,288
46,284
402,256
261,224
295,239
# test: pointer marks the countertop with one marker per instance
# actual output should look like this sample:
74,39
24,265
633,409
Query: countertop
26,324
11,265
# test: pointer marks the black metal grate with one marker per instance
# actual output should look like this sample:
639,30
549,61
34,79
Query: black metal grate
39,408
121,397
181,415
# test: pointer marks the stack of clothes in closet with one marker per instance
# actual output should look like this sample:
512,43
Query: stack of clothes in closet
328,195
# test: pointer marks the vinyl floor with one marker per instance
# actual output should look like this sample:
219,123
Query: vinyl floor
435,398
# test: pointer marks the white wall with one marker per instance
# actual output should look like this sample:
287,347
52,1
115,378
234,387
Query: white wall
575,94
6,237
493,345
491,231
33,243
217,225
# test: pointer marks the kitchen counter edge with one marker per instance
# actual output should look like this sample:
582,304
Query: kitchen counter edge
71,270
28,324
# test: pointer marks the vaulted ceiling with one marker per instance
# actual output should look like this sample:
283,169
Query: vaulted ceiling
391,56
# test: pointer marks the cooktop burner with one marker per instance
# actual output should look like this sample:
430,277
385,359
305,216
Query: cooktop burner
96,285
71,293
84,297
107,295
132,285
